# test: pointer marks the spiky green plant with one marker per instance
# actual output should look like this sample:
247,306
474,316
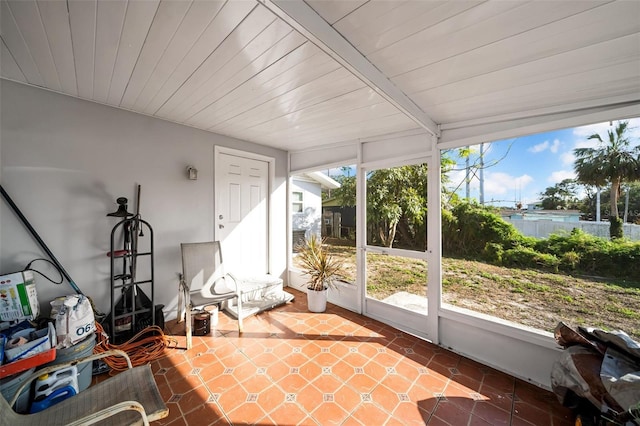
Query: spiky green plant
317,263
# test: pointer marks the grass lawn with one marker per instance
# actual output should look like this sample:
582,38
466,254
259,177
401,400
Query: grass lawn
529,297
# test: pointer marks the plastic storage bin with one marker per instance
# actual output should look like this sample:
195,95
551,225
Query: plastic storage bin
79,350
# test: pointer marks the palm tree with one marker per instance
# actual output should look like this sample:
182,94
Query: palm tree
612,162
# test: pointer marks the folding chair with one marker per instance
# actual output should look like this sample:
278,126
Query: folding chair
203,282
131,397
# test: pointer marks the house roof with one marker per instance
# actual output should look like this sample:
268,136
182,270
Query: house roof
326,182
558,212
294,75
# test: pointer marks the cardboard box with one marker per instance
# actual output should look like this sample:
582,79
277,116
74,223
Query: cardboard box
18,297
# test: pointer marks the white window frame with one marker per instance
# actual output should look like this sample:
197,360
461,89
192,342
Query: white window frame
295,202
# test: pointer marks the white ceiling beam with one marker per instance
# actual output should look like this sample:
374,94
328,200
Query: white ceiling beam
311,25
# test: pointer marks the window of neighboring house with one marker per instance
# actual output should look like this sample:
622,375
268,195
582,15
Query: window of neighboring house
297,203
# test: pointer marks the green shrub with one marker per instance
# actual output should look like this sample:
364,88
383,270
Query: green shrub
524,241
624,259
525,257
578,241
493,252
471,226
588,254
475,232
569,261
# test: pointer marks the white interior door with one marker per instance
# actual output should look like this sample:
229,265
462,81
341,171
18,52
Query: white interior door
242,213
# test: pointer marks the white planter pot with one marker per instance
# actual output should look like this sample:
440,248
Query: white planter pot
317,300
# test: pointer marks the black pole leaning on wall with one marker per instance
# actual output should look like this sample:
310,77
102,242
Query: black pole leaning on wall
39,240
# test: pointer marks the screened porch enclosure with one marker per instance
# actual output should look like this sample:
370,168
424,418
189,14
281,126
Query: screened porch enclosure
99,95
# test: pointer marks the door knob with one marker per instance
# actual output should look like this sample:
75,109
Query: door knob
220,226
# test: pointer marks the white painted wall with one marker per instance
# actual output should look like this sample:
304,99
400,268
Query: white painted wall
523,352
64,162
311,217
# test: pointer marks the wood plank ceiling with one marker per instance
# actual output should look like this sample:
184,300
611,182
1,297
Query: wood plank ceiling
244,69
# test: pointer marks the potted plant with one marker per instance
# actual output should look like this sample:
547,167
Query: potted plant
321,268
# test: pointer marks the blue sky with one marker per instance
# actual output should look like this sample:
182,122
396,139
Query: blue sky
519,169
524,167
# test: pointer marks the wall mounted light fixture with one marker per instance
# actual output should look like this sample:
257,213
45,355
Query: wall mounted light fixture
192,172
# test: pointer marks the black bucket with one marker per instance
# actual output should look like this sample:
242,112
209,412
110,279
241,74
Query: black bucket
201,323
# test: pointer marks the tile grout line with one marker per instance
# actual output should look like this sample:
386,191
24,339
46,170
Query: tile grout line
275,384
378,336
513,402
216,402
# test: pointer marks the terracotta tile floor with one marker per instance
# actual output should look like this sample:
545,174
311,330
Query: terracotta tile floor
292,367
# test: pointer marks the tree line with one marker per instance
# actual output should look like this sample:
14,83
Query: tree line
565,196
397,197
613,165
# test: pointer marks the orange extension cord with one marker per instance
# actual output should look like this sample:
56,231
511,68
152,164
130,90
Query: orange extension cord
146,346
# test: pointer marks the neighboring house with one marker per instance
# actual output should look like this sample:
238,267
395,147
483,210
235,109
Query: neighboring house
538,223
543,223
306,204
339,220
552,215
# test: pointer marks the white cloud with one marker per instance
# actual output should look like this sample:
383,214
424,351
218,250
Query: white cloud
601,128
499,188
457,182
498,183
584,143
567,158
582,133
543,146
560,175
456,176
586,131
539,147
